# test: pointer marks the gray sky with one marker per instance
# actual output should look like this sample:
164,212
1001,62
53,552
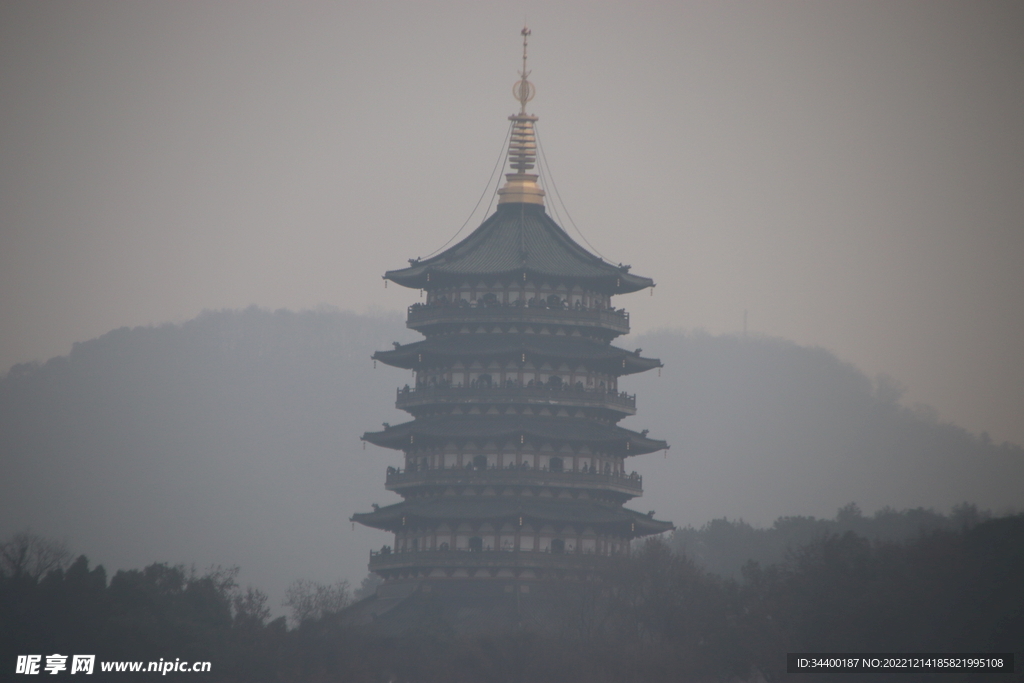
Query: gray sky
850,173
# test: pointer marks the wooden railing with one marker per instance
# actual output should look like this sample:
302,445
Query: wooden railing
614,319
626,483
409,397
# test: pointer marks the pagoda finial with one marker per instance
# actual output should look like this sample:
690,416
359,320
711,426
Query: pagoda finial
523,89
521,187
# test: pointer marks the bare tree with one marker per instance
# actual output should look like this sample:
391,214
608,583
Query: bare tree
312,600
251,608
26,554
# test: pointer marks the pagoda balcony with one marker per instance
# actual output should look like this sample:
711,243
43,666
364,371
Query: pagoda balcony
630,485
408,398
427,315
387,560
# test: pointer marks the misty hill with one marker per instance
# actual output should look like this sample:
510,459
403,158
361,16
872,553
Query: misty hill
763,428
233,439
725,547
230,439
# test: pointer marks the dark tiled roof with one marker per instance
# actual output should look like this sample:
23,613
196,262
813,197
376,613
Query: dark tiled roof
477,427
494,508
449,347
520,238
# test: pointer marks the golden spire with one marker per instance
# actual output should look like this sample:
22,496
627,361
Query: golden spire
521,186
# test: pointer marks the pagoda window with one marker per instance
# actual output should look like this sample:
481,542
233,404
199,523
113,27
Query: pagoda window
526,542
475,544
555,464
557,545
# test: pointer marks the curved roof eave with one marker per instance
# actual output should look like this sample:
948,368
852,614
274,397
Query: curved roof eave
408,356
519,238
469,427
625,283
436,510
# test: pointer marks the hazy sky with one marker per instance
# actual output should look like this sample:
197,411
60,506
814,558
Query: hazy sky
851,173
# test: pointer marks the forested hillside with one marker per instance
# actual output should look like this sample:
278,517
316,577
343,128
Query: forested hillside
234,439
658,617
726,547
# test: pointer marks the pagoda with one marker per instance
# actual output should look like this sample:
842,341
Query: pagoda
515,470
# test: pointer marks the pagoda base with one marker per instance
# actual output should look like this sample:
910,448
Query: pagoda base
470,607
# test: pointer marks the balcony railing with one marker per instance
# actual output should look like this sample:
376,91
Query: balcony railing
487,559
397,479
430,314
408,397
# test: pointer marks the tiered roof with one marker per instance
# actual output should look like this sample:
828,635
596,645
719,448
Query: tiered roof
495,509
517,239
596,354
440,428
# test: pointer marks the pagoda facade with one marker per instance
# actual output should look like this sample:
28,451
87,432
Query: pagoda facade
515,470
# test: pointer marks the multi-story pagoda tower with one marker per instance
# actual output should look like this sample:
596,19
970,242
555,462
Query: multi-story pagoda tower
516,470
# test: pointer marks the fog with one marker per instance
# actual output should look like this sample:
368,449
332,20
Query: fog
843,175
233,439
848,173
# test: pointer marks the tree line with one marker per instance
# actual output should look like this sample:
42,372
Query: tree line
243,426
660,616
